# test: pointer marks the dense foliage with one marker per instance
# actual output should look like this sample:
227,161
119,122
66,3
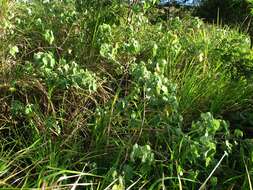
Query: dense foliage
107,95
227,10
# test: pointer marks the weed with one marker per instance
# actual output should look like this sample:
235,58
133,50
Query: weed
100,95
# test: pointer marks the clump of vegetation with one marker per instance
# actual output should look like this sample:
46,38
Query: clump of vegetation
229,11
101,95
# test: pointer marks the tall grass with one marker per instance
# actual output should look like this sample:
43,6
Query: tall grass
103,98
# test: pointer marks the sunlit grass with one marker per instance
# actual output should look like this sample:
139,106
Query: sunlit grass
102,98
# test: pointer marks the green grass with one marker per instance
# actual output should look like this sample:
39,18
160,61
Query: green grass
109,97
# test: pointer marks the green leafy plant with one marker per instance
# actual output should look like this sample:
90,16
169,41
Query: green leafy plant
111,95
62,74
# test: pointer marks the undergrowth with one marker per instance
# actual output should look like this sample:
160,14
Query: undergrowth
103,95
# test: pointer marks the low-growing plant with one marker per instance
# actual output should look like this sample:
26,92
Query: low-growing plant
104,95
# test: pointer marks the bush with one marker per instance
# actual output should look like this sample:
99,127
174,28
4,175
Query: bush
228,11
95,93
